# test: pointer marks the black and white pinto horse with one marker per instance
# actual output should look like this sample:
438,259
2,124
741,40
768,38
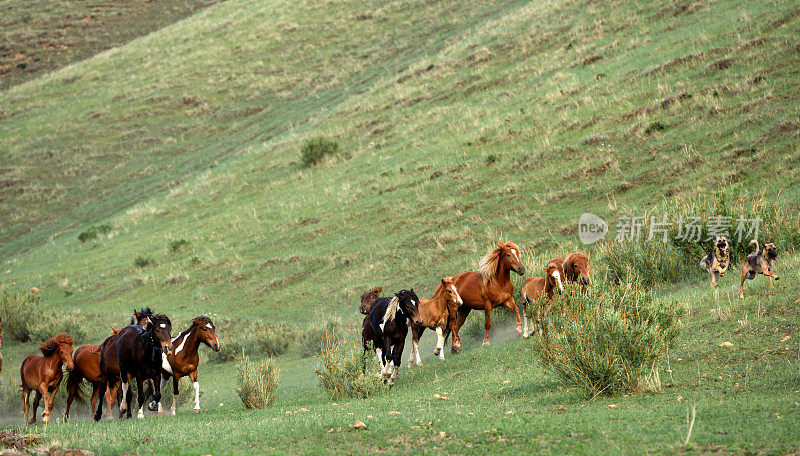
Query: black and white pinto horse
388,328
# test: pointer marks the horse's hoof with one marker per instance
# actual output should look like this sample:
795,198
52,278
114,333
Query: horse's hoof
485,343
140,415
153,406
519,330
197,410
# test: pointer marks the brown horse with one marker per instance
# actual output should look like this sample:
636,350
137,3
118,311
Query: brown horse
435,313
536,287
575,268
367,298
184,360
42,373
487,288
87,366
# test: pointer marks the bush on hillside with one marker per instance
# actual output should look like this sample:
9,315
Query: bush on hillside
346,370
178,245
611,339
257,383
314,149
92,232
26,318
142,261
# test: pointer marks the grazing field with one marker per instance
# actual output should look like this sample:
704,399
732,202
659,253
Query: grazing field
167,173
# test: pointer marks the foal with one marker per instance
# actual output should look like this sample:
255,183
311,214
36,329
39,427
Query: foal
184,360
388,320
435,313
42,373
536,287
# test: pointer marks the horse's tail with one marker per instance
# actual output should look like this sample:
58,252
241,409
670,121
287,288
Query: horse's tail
755,252
75,384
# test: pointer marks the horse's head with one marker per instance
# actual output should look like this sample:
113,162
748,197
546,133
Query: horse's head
207,332
60,346
142,317
553,277
511,257
408,302
450,292
367,298
576,268
161,330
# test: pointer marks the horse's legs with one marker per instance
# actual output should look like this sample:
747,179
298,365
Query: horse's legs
101,392
123,404
525,303
416,334
455,325
71,387
49,401
511,304
487,310
112,396
26,399
397,358
140,397
196,385
36,398
439,343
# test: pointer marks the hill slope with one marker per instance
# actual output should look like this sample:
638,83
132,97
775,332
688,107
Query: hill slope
458,123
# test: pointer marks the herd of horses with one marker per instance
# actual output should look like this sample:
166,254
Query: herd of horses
144,350
387,319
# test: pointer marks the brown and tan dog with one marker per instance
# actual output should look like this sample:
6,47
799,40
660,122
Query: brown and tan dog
717,260
759,263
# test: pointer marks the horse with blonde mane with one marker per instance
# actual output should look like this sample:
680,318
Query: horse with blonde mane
488,287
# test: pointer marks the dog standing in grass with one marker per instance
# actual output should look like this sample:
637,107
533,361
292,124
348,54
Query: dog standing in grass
759,263
717,260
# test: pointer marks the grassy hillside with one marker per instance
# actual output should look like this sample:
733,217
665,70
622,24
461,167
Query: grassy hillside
458,123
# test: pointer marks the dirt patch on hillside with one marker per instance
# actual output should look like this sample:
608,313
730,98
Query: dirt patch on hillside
42,35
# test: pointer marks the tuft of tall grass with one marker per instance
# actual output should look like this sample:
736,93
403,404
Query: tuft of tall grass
92,232
611,339
267,339
314,149
257,383
178,245
346,370
142,261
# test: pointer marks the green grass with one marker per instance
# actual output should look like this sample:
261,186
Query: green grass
457,123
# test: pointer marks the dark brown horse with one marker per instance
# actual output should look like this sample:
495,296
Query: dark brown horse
388,321
184,360
87,366
435,313
42,373
487,288
136,353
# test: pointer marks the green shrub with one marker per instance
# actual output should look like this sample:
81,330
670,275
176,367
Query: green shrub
346,370
309,342
178,245
263,339
314,149
20,311
611,339
654,127
91,232
257,384
649,263
143,261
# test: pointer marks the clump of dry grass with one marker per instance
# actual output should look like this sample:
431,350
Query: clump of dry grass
257,383
346,370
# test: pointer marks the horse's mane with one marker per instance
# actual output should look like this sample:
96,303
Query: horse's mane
391,309
49,346
201,320
375,293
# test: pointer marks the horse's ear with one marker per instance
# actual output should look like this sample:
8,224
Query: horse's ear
500,244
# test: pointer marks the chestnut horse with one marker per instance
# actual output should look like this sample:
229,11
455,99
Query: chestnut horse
574,267
87,366
537,287
42,373
435,313
135,351
184,360
487,288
